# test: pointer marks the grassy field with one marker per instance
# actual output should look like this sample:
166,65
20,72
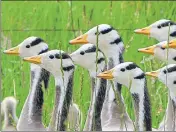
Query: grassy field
58,22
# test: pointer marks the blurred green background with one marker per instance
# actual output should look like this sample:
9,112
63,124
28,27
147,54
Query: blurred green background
58,22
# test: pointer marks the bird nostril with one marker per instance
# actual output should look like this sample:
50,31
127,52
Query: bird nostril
78,38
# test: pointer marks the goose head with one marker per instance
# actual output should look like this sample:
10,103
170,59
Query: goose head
106,36
161,52
124,73
29,47
55,61
159,30
167,75
85,56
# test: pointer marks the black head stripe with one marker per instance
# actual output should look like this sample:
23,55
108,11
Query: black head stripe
64,56
36,41
68,68
106,30
100,60
43,51
91,49
165,24
116,41
141,76
174,58
131,66
173,34
170,69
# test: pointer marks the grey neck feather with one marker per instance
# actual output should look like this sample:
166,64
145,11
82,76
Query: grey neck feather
38,94
33,113
93,120
168,122
67,102
55,114
147,122
59,116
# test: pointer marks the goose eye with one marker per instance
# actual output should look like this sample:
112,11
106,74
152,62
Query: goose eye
51,56
27,46
122,69
174,82
163,48
159,26
82,52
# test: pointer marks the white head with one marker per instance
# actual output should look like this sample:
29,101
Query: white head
29,47
85,56
161,52
167,75
159,30
125,73
108,39
52,62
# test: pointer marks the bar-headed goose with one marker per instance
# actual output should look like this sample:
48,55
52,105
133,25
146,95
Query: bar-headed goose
161,52
8,110
31,115
167,75
130,75
88,53
111,44
159,30
61,66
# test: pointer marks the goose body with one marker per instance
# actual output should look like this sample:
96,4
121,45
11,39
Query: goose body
159,30
8,110
168,124
31,115
52,61
130,75
111,44
88,53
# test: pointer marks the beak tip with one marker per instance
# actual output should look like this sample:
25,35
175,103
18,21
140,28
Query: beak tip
136,30
71,42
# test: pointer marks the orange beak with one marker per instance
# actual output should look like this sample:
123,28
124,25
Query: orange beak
148,50
12,51
145,31
172,44
153,73
106,74
34,59
80,40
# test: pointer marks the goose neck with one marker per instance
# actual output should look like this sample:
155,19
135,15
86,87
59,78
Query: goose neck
141,104
35,99
62,101
93,120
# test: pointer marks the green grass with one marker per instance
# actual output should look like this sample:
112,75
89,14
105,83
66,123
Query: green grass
124,16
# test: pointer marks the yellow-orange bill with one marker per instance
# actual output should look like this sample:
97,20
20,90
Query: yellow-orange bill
80,40
148,50
106,75
34,59
145,31
12,51
153,73
172,44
